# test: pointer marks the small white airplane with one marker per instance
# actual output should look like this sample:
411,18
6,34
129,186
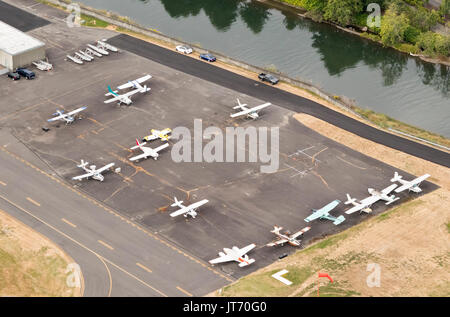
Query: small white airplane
98,49
250,113
43,65
409,185
75,60
189,210
157,134
67,117
147,151
83,57
106,46
365,204
125,98
235,254
324,213
92,171
92,52
287,237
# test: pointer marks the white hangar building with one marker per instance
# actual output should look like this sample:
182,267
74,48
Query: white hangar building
18,49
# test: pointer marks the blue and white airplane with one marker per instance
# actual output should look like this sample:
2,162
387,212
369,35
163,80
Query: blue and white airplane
67,117
125,98
324,213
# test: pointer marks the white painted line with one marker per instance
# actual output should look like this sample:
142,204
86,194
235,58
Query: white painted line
278,275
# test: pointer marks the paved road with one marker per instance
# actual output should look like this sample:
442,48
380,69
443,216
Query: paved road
276,96
20,19
117,257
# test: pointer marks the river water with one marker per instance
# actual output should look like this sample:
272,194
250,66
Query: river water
377,78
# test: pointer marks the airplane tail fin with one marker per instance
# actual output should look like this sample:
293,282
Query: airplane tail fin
83,164
247,262
276,229
112,91
396,177
350,200
240,105
177,202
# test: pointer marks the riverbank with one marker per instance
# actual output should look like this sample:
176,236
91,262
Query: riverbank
105,19
356,30
408,243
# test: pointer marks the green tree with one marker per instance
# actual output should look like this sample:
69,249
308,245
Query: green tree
342,11
393,27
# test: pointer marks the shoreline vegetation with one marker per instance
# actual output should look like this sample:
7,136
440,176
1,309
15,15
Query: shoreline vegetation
337,103
408,26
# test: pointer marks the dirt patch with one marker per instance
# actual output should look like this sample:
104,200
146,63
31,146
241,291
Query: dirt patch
409,244
30,264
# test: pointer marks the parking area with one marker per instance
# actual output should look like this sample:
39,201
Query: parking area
244,204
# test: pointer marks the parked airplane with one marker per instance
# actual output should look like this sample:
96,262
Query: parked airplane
75,60
287,237
67,117
43,65
125,98
92,52
106,46
324,213
365,204
98,49
84,57
250,113
156,134
92,171
411,185
235,254
147,151
189,210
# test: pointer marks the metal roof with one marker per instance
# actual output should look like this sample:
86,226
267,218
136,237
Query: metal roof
15,42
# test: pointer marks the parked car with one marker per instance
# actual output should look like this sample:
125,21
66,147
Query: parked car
269,78
28,74
184,49
14,76
208,57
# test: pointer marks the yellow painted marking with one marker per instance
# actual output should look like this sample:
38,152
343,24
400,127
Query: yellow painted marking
33,202
183,291
105,244
144,267
2,183
68,222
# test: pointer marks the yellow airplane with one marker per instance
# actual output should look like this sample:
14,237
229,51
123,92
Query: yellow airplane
157,134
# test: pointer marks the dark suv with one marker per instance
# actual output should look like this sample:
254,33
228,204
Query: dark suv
267,77
28,74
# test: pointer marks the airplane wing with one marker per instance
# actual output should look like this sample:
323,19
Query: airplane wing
299,233
106,167
56,118
77,111
323,211
130,84
224,258
412,183
137,158
389,189
158,149
77,178
117,98
255,109
186,209
276,242
246,249
366,202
